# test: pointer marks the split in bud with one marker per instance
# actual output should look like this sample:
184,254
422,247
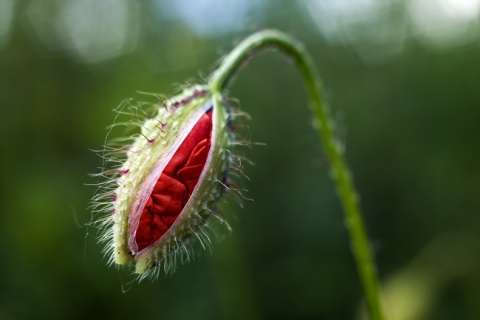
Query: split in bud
175,186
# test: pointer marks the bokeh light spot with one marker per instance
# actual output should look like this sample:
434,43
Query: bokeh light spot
6,17
99,30
208,17
90,30
445,22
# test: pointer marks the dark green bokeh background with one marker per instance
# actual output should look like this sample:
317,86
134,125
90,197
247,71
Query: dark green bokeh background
410,123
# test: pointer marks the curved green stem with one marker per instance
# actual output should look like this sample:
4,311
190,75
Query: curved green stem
269,39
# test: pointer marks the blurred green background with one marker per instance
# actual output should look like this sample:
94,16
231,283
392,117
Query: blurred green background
402,79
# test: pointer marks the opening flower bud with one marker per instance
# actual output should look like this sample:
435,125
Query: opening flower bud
170,182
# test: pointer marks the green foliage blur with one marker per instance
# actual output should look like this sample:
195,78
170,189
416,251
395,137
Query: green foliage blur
403,88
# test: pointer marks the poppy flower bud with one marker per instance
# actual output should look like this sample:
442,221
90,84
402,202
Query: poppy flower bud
170,182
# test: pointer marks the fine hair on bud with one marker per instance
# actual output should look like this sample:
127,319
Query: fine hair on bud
160,185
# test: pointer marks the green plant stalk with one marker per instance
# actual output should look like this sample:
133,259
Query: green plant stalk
272,39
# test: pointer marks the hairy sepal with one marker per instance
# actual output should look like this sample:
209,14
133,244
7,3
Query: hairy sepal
202,203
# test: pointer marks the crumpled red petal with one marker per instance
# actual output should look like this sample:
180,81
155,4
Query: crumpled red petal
176,184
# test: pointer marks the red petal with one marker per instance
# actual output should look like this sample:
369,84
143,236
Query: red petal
176,184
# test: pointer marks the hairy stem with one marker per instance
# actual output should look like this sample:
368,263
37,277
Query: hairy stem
272,39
